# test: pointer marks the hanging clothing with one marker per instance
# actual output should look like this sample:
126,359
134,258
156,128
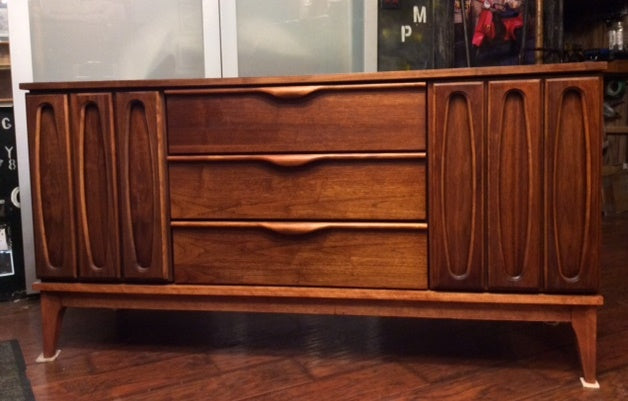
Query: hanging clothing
511,25
485,27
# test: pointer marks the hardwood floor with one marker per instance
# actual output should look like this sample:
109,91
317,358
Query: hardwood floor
136,355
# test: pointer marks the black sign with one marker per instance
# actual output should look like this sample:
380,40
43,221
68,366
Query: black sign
405,35
11,256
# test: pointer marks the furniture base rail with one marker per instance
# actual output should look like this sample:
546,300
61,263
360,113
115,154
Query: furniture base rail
580,311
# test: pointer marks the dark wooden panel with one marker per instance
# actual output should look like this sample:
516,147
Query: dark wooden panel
298,119
266,255
96,192
553,31
143,181
375,189
515,164
52,186
573,163
443,34
456,182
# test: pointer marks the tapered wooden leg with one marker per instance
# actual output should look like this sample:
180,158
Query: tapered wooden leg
584,323
51,318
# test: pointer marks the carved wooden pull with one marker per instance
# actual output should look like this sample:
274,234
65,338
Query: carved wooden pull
296,160
290,92
296,92
310,227
301,228
294,228
291,160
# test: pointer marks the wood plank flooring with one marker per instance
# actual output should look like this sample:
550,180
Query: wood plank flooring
135,355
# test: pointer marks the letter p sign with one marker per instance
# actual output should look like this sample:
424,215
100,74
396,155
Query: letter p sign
406,31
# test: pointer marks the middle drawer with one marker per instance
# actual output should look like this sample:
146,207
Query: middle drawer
299,187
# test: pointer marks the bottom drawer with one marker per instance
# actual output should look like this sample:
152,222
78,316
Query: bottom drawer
378,255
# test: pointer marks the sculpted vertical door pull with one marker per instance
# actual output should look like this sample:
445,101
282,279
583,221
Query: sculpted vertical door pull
144,218
456,165
52,186
515,163
96,192
573,185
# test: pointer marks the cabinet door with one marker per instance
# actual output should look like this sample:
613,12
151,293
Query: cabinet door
456,163
93,149
142,179
52,186
573,159
514,185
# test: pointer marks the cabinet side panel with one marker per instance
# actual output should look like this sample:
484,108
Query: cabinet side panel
52,188
573,152
143,207
455,159
96,191
514,242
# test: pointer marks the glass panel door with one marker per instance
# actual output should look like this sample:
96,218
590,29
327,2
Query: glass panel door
294,37
116,39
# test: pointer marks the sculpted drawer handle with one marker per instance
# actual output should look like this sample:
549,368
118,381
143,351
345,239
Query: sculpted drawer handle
294,228
307,228
295,92
300,228
295,160
290,92
301,159
291,160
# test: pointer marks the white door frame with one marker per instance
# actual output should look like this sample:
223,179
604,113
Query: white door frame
223,14
22,71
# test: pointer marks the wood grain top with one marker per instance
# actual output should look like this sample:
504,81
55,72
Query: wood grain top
370,77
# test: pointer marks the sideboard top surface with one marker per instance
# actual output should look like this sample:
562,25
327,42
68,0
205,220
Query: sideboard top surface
368,77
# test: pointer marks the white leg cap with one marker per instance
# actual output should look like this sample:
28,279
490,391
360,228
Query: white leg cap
585,384
42,359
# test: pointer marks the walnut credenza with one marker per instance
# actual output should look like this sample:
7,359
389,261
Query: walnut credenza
464,194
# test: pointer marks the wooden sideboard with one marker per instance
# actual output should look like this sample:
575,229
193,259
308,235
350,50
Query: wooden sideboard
463,194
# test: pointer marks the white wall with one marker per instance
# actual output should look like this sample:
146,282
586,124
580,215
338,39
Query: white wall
74,40
290,37
22,71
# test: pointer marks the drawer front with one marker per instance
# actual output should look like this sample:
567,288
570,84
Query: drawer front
302,254
342,118
329,187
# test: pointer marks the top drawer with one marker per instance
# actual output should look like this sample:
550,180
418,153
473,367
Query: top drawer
334,118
